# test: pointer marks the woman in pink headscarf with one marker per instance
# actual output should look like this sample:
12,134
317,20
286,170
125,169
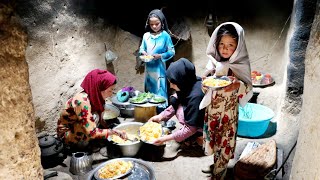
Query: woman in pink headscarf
76,125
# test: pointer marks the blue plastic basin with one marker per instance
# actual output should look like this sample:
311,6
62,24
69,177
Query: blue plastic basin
254,120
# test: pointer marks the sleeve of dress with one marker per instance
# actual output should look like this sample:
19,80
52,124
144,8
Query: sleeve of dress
168,113
244,93
143,45
82,108
184,132
170,52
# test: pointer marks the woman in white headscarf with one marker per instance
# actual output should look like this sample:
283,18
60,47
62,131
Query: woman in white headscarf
228,56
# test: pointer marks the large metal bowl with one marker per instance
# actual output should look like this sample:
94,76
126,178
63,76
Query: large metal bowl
110,112
109,116
129,149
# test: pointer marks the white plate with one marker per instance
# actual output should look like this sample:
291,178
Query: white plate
152,100
146,58
131,100
218,78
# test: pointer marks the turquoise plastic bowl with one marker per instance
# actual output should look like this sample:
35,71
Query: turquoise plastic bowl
254,120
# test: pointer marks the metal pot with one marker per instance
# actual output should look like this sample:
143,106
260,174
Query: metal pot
108,121
110,112
126,108
130,149
80,163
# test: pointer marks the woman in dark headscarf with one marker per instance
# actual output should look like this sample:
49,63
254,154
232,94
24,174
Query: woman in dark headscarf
185,103
157,43
76,125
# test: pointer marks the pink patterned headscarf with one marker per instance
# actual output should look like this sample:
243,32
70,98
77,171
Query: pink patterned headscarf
96,81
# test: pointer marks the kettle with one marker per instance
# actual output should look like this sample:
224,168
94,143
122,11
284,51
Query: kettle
50,146
80,163
51,150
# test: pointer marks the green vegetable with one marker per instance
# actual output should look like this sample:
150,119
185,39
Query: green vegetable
158,99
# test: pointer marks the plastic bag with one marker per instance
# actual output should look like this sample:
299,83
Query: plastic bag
110,56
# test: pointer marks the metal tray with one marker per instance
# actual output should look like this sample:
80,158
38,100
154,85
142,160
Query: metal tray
142,170
96,174
263,83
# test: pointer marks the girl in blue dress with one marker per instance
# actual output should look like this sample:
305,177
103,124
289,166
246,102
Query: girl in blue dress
156,42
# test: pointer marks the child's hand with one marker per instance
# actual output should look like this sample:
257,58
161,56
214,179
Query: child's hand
156,56
233,86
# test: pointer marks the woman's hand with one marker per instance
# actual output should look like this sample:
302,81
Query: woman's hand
121,134
233,86
160,140
156,118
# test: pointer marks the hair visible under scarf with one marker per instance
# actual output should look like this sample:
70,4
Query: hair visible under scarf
159,14
226,29
182,73
96,81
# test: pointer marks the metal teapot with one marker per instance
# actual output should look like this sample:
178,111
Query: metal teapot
50,146
80,163
51,151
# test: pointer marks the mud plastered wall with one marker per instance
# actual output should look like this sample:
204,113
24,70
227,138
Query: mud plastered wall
63,47
306,158
20,153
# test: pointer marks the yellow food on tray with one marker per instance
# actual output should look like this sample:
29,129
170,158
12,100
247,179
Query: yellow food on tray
114,169
212,82
119,140
150,131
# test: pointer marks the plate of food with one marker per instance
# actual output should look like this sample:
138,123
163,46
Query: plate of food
157,99
114,169
216,82
150,131
138,100
141,98
146,58
260,79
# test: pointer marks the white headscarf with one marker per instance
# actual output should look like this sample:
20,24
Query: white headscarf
239,62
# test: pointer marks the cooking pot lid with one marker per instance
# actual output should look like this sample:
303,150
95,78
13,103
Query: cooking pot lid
47,141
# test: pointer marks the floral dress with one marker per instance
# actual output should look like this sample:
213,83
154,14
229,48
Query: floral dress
76,123
220,127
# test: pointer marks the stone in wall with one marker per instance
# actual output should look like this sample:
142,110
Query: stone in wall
20,153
